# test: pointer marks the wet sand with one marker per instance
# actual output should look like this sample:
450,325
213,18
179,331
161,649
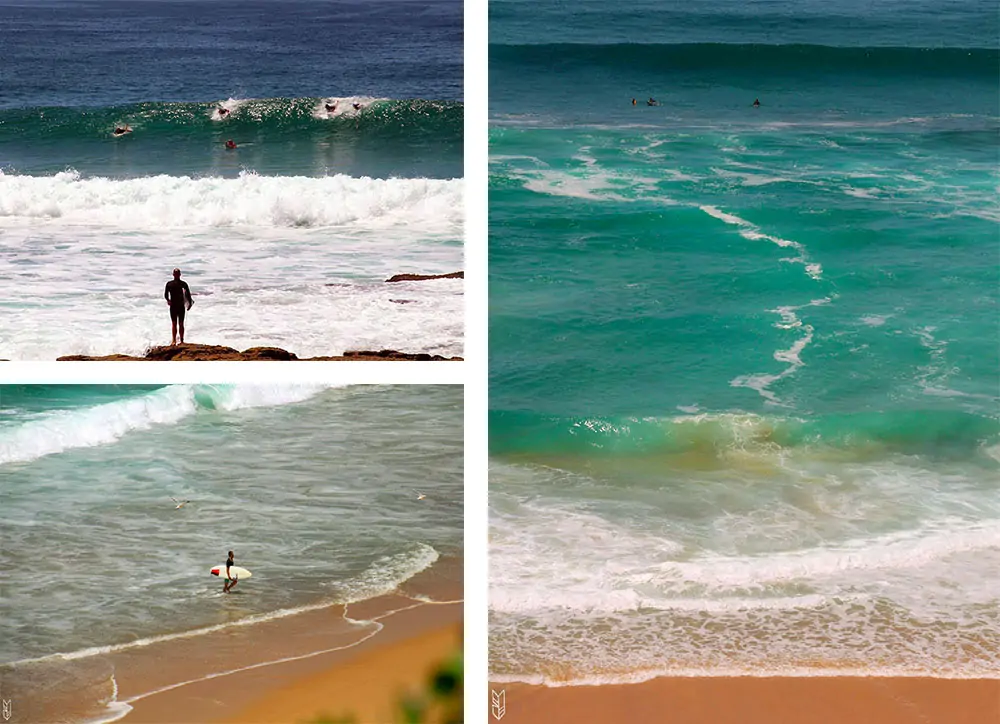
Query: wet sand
355,681
403,637
365,688
213,674
758,700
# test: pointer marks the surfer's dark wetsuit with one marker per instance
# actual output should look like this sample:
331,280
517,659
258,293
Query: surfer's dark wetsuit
230,582
178,295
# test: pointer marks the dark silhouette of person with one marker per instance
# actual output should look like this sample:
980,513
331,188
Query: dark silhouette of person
756,102
178,296
230,581
230,144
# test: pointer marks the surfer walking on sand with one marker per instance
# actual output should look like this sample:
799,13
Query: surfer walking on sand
178,296
230,581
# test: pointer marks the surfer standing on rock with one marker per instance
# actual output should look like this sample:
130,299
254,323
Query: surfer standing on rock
178,296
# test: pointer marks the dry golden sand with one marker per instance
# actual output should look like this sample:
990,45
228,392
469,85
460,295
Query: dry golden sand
753,700
366,688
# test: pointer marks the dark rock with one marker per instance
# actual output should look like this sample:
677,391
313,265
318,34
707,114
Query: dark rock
423,277
207,352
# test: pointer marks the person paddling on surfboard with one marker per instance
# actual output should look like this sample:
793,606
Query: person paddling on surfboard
230,581
756,102
230,144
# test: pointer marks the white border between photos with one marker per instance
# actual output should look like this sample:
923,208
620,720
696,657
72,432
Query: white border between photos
476,366
472,373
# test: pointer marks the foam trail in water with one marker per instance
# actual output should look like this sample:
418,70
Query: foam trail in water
789,320
753,233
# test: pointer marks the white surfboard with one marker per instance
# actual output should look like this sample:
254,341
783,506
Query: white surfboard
234,571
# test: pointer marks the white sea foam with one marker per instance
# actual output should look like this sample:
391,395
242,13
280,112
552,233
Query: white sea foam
753,233
180,202
97,288
344,106
383,576
791,356
56,432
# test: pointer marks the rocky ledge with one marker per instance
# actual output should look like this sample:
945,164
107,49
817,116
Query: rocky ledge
206,352
425,277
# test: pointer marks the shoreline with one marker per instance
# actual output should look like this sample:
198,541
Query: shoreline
200,675
759,700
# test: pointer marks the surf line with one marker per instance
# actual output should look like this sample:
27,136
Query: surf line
122,708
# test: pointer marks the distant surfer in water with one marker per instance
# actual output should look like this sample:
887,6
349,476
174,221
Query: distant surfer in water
633,101
357,106
331,107
230,144
756,102
652,102
122,130
223,112
230,581
178,296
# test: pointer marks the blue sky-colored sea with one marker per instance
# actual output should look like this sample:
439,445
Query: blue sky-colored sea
744,360
315,489
347,119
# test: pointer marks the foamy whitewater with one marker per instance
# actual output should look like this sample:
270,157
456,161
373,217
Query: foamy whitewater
292,262
744,391
312,487
285,240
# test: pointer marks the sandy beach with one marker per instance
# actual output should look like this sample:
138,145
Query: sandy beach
361,677
753,700
346,663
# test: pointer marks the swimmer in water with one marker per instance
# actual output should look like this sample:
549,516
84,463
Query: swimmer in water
331,107
756,102
230,144
223,112
652,102
357,106
122,130
633,101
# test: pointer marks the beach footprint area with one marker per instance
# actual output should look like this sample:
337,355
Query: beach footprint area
287,166
119,501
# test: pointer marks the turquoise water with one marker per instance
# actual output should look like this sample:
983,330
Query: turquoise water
744,361
312,487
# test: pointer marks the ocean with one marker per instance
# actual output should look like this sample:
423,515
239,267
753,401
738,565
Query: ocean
744,360
313,488
287,239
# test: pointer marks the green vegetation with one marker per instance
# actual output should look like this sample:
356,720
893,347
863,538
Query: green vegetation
440,702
